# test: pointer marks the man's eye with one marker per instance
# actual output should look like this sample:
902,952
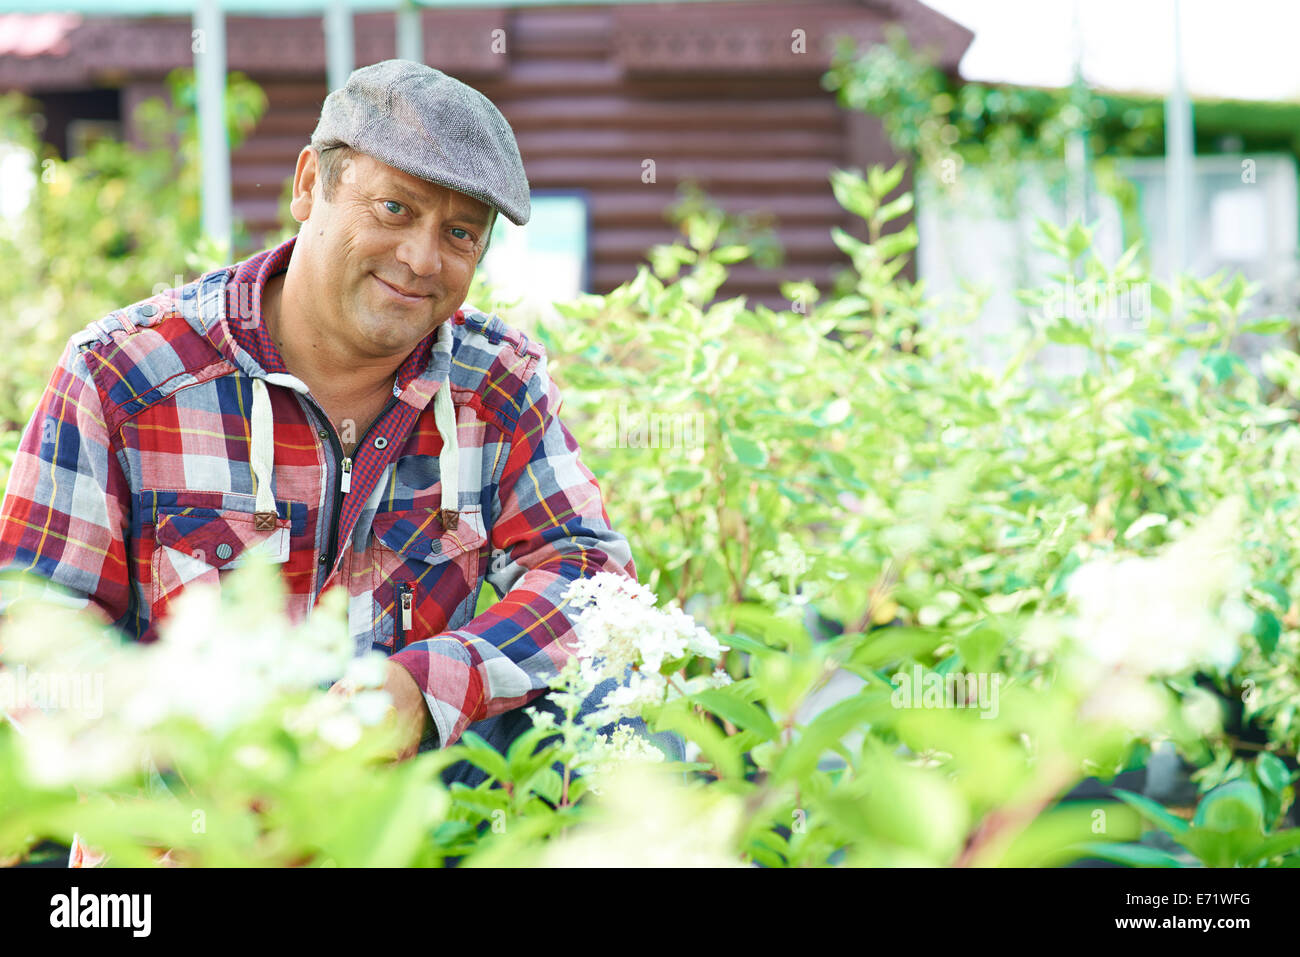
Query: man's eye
390,203
464,232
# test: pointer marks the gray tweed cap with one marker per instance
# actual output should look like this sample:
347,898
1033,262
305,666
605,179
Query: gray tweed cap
423,122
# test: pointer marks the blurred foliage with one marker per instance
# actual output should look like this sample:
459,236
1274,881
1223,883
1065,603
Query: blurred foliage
839,493
1015,583
939,123
103,230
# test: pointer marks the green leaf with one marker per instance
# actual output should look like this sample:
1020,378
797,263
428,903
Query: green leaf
885,181
546,783
894,244
1275,845
748,645
896,804
1067,333
484,757
980,648
1222,365
743,714
714,745
896,208
1267,325
826,730
747,451
1161,298
853,193
1214,848
731,254
833,413
888,645
1277,592
1144,522
1272,772
520,757
1235,291
1078,239
1283,367
702,231
683,480
1233,806
1134,855
482,800
1171,824
1267,631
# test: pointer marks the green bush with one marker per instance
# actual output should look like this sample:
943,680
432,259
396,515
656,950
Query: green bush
1024,582
103,230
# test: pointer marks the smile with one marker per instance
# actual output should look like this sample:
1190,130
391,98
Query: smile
397,293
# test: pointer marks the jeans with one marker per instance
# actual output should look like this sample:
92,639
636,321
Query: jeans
501,730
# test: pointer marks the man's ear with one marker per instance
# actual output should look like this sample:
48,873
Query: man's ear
306,178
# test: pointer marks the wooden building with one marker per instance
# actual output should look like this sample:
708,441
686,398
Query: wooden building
726,94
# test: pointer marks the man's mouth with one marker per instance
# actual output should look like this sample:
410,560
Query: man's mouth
398,292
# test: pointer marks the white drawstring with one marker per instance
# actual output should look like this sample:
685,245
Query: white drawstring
444,416
262,453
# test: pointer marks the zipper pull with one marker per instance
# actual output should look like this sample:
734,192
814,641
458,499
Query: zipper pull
407,602
346,481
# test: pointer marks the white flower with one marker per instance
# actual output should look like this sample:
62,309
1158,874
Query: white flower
340,730
252,756
542,719
643,819
367,671
1202,712
620,629
370,707
56,755
789,560
1168,614
1128,701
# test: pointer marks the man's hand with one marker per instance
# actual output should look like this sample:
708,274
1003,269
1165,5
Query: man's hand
408,713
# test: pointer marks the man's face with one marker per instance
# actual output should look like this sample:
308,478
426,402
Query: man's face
392,255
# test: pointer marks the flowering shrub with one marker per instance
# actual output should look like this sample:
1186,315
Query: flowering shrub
213,745
909,602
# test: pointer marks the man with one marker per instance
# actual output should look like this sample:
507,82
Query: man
331,403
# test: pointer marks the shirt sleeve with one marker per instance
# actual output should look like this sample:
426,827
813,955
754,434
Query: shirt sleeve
551,529
65,516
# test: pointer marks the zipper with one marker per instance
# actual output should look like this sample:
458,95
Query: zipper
345,473
406,606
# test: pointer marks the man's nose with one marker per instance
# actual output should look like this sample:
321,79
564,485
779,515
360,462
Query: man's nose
421,254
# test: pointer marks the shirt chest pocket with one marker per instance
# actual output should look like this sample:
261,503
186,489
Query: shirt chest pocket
194,544
425,578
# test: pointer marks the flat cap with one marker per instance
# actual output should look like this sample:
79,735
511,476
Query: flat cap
423,122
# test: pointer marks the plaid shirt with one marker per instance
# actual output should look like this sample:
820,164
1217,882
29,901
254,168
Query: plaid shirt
138,474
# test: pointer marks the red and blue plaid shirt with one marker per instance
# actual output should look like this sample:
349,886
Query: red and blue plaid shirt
134,478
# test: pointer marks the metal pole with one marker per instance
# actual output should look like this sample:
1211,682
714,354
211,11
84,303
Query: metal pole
339,55
410,34
1178,156
209,47
1076,148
